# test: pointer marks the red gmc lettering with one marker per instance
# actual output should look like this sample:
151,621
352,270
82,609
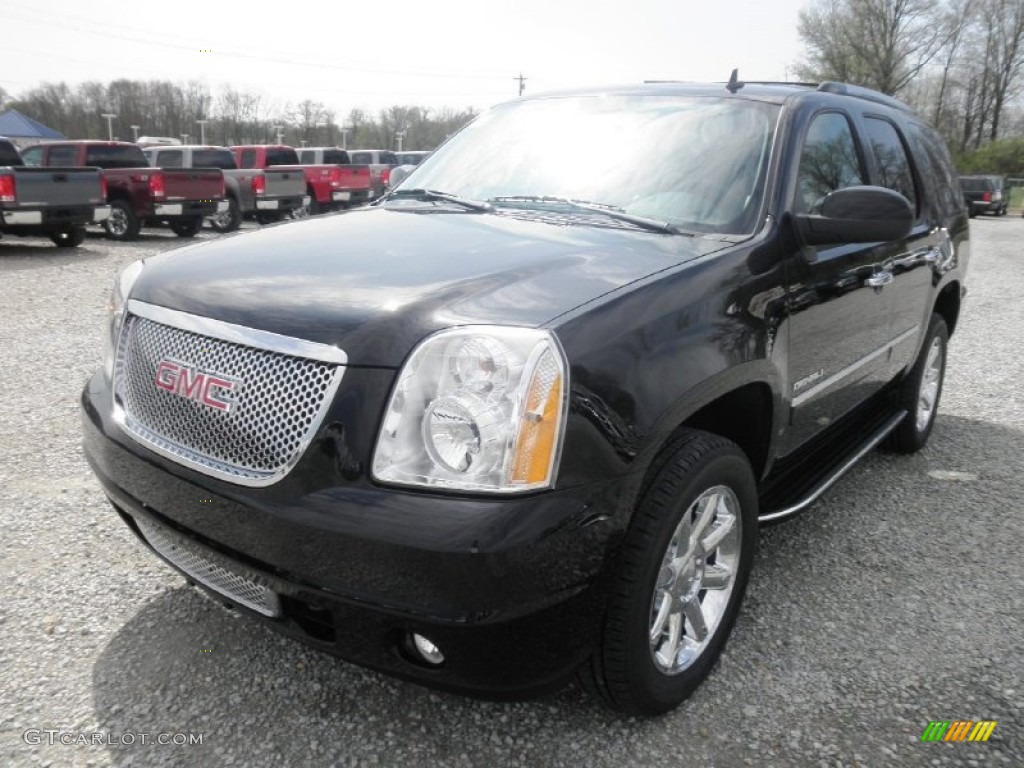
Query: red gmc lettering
183,381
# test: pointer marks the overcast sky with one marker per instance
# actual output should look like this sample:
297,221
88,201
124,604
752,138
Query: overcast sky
450,53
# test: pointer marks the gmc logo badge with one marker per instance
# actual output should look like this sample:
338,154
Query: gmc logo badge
207,389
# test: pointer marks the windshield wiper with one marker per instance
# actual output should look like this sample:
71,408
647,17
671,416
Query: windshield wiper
444,197
611,211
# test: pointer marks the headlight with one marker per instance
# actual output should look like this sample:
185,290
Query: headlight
115,313
479,408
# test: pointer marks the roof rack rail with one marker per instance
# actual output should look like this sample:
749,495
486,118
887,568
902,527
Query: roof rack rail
844,89
780,82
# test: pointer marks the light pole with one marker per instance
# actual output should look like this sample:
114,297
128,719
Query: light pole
184,138
280,134
344,137
202,130
399,137
135,132
110,124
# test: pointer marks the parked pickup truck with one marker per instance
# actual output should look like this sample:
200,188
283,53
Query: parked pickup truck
381,161
138,194
249,190
515,422
333,182
49,202
264,156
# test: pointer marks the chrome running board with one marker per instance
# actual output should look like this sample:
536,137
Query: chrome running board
841,469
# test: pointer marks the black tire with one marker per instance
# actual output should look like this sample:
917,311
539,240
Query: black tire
123,224
911,435
229,221
187,227
268,217
623,670
68,238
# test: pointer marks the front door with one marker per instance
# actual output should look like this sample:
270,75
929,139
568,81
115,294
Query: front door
839,312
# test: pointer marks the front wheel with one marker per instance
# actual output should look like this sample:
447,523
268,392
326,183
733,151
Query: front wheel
69,238
229,221
187,227
683,570
920,392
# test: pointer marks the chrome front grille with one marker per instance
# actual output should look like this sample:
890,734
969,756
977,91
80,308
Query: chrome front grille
228,583
275,408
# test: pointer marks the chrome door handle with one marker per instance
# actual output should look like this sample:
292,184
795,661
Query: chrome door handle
878,279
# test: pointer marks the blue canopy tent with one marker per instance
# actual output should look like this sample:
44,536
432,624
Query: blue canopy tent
23,130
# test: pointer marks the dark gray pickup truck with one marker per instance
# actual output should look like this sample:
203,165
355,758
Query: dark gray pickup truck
248,190
49,202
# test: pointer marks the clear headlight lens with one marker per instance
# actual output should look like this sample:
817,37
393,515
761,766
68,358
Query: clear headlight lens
115,313
479,408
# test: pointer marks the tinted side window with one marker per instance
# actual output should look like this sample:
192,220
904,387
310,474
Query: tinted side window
282,157
388,158
307,157
32,156
248,159
9,155
891,158
362,158
931,149
829,161
169,159
61,156
335,157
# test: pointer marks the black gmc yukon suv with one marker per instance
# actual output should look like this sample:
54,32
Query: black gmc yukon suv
521,418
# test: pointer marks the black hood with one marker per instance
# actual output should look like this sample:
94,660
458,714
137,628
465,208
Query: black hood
375,281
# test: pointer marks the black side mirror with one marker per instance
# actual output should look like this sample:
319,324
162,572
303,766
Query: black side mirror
858,215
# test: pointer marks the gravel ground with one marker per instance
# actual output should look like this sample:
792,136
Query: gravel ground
896,600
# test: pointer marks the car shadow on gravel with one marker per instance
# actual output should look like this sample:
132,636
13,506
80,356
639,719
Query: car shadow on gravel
821,643
33,255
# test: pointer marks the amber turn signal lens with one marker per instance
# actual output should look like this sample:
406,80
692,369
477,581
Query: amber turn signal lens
538,430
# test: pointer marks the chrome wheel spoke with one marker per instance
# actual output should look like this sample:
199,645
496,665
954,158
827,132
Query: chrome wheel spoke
668,650
718,533
716,577
697,627
664,611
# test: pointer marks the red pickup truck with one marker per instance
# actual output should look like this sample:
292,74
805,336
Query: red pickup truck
138,194
333,180
329,185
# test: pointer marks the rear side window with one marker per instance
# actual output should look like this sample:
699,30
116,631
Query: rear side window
113,157
169,159
388,158
33,156
829,161
64,156
890,158
248,159
934,160
362,158
335,157
307,157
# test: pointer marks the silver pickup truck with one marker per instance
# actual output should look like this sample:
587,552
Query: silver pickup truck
250,191
49,202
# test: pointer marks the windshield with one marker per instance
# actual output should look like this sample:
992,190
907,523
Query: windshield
697,163
213,158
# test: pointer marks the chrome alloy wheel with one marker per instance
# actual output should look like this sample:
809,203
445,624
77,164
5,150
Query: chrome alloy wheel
928,393
696,579
221,220
117,223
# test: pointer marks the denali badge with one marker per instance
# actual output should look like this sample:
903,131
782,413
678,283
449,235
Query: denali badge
205,388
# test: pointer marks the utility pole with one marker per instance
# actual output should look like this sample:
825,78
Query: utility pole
135,132
280,134
344,137
202,130
110,125
522,83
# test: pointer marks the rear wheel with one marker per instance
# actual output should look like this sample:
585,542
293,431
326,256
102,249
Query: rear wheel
921,391
187,227
228,221
683,570
122,224
68,238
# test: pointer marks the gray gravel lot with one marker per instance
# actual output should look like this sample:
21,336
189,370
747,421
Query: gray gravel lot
898,599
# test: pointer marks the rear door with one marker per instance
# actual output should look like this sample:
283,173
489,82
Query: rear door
839,322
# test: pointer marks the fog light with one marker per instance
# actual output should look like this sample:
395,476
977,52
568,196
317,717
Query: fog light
430,652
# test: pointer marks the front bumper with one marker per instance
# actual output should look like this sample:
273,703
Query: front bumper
510,590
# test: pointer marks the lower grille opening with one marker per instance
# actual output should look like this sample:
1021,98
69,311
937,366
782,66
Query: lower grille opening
318,623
